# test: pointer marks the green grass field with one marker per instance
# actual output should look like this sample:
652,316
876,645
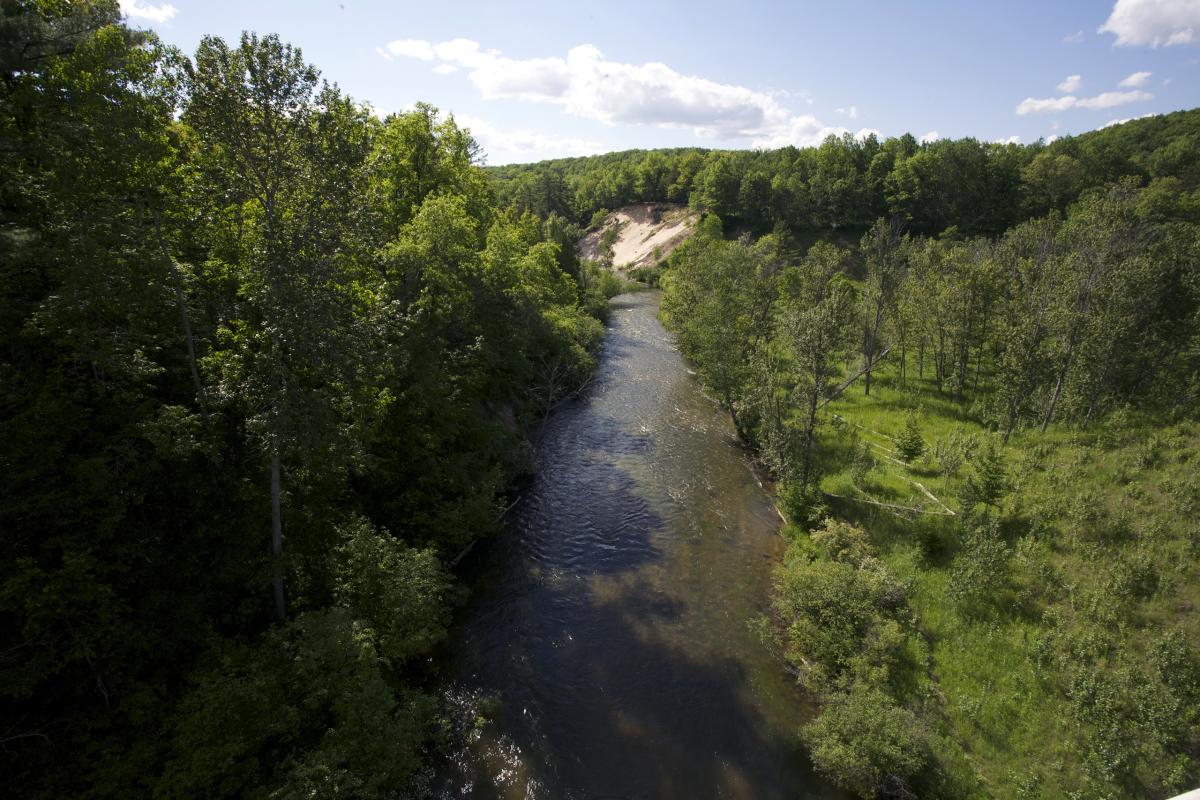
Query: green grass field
1101,542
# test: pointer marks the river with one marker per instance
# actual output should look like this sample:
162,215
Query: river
607,650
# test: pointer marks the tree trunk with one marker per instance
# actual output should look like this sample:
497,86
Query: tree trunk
277,535
810,430
181,301
1053,400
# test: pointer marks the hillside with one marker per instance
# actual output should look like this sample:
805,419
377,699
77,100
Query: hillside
640,235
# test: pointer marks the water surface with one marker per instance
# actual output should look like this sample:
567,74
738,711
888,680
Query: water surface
608,641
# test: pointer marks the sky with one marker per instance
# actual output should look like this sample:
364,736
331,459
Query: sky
550,79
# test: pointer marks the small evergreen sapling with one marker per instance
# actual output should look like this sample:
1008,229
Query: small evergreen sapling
910,445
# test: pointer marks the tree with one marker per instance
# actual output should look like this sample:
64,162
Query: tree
910,445
719,298
277,144
885,272
816,314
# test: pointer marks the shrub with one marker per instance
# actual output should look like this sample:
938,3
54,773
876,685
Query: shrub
866,743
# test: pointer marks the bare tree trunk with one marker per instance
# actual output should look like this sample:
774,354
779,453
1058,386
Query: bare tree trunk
277,535
1053,400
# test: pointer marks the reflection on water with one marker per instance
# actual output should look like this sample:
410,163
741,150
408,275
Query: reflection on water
606,652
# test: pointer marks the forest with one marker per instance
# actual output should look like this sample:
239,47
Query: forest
269,365
273,362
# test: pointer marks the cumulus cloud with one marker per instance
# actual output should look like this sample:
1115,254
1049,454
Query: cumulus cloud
1110,99
1154,22
1136,79
412,48
1052,138
445,69
932,136
136,9
505,145
1010,140
588,85
1071,83
849,111
1034,105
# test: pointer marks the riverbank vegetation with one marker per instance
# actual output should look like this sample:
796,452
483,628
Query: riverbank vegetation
268,363
986,442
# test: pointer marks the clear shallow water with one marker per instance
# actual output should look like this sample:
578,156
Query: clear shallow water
607,642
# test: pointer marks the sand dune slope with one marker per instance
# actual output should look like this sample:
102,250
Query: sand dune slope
647,233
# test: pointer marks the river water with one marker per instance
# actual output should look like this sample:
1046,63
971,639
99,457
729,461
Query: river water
607,650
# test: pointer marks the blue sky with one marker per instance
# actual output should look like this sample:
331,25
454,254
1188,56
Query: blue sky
541,80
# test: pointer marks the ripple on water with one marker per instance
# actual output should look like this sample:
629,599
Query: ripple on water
607,645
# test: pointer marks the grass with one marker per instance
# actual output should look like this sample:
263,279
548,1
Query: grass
1102,536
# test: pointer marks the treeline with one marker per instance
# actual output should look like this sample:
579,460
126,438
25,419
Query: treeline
267,365
1058,320
1071,320
978,188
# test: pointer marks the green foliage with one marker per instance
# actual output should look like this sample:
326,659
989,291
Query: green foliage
865,743
261,345
977,188
841,612
307,711
988,481
910,445
981,570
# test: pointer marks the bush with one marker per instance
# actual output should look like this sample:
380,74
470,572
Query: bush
840,610
866,743
981,570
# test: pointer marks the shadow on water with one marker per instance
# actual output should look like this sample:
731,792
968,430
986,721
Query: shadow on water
606,651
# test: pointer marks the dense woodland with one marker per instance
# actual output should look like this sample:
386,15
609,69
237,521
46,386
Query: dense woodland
844,185
268,363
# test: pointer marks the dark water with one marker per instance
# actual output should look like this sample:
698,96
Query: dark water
607,644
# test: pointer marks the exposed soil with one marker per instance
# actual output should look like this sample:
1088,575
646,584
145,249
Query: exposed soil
648,232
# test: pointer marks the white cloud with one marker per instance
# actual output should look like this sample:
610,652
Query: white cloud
509,145
1110,99
1010,140
1071,83
1154,22
412,48
1052,138
135,9
932,136
850,111
1073,38
445,69
1136,79
1034,105
588,85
